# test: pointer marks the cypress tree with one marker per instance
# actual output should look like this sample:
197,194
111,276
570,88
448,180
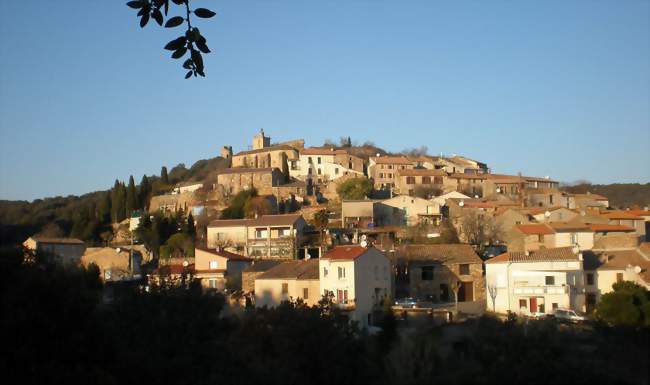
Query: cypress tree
131,197
145,189
191,228
164,178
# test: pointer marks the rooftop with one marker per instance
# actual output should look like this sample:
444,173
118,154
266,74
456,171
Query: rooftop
347,252
62,241
299,269
224,254
444,253
264,220
557,254
535,229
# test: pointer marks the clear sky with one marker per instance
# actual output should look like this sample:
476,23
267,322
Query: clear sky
559,88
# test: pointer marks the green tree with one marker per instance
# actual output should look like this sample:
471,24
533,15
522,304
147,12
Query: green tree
143,192
628,305
118,202
191,227
164,177
355,188
321,220
131,197
236,209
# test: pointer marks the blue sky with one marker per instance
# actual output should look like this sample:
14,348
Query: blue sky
559,88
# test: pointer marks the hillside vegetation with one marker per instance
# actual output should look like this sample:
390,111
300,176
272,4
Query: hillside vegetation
621,195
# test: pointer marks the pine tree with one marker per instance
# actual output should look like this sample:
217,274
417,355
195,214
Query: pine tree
164,178
131,197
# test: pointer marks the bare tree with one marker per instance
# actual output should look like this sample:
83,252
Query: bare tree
493,291
480,229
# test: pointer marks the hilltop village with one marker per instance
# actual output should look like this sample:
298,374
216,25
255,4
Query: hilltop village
418,233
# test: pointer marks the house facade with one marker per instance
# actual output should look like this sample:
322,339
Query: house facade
535,282
358,279
61,250
325,164
268,236
384,170
214,266
438,273
413,210
289,281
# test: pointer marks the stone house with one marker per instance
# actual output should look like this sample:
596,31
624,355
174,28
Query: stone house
263,155
60,250
384,169
325,164
409,180
437,272
414,210
234,180
115,264
255,269
530,236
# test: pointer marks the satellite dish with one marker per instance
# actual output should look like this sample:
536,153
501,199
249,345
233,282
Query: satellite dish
476,196
461,203
364,244
364,237
547,214
637,269
498,189
118,250
185,263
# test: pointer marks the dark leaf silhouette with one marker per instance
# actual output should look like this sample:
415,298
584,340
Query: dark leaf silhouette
135,4
142,11
174,22
188,74
198,60
144,20
202,46
204,13
179,53
176,44
157,15
179,2
158,3
166,7
201,73
188,64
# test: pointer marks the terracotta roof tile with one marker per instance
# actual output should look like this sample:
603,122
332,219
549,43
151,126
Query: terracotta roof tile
349,252
602,227
300,269
224,253
421,172
444,253
541,255
534,228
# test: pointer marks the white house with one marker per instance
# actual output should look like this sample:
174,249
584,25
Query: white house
187,187
359,279
572,234
323,164
442,199
536,281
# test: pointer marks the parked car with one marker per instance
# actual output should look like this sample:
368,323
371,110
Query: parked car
407,302
566,315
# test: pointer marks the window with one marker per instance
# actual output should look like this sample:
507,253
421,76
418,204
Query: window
410,180
426,180
540,238
550,280
320,171
523,304
574,238
285,288
590,278
212,283
464,269
305,293
309,171
437,179
309,160
341,271
550,199
213,265
325,272
284,232
261,233
336,171
319,160
619,277
427,273
554,305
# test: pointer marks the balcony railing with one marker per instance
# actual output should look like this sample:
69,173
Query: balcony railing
541,289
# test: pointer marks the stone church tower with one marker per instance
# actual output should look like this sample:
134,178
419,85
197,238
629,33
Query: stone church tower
260,141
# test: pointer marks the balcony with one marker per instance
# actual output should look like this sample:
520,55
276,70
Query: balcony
541,289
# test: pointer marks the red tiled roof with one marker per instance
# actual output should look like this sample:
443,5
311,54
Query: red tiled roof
640,213
421,172
322,151
224,253
620,215
541,255
601,227
350,252
392,160
560,227
534,228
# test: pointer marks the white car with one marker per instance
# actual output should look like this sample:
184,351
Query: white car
566,315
